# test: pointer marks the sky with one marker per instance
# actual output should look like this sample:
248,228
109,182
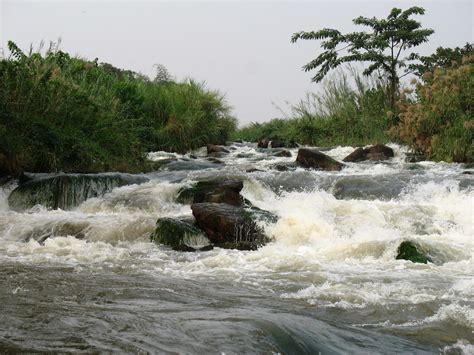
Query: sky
241,48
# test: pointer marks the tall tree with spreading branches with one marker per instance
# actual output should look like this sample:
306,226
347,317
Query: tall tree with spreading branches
382,46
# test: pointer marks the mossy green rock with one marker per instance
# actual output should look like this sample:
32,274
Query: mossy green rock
217,191
176,233
408,251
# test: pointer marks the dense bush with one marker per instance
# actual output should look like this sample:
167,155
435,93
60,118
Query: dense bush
439,120
59,112
349,110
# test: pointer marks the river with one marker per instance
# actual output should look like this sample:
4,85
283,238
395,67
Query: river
89,279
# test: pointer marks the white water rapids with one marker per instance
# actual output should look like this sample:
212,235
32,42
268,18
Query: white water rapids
331,264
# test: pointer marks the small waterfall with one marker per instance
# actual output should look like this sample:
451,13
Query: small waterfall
66,191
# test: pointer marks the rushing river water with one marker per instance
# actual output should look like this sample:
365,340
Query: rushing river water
329,282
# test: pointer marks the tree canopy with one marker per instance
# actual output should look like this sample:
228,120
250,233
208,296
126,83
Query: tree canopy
382,46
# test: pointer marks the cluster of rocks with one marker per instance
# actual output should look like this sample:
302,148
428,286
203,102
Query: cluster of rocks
222,218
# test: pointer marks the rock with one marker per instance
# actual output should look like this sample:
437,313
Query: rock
414,157
375,152
356,155
369,187
159,164
408,251
66,191
283,153
180,165
262,143
183,248
217,191
213,149
312,158
224,223
215,160
238,246
253,170
276,144
178,234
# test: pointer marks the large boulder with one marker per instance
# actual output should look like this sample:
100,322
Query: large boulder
179,235
66,191
409,251
375,152
213,150
228,226
312,158
217,191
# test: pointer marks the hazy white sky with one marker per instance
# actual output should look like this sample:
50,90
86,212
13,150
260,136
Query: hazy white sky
241,48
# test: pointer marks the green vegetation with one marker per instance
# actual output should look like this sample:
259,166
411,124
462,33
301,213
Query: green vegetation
436,121
350,110
439,122
381,47
63,113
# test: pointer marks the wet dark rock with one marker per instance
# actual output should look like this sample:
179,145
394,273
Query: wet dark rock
244,155
183,248
409,251
356,155
217,191
224,223
468,172
215,160
257,214
238,246
282,153
277,144
213,149
375,152
290,166
177,234
312,158
414,157
66,191
263,143
253,170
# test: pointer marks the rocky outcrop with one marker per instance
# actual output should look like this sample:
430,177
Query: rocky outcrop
229,226
213,150
312,158
375,153
66,191
409,251
179,235
217,191
263,143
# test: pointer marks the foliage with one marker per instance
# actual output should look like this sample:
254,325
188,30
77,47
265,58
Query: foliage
381,47
63,113
443,57
349,110
439,121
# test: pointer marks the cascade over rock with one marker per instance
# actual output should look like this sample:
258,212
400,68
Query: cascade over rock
66,191
313,158
178,234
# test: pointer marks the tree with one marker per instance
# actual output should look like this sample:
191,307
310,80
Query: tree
382,46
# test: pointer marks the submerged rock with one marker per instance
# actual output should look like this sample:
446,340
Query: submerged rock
414,157
178,234
375,152
368,187
224,223
282,153
215,149
218,191
312,158
66,191
408,251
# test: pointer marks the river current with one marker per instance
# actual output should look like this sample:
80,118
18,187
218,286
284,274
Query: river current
89,279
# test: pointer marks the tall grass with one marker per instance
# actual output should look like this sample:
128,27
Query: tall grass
350,109
63,113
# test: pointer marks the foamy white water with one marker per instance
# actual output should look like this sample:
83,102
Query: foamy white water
331,267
